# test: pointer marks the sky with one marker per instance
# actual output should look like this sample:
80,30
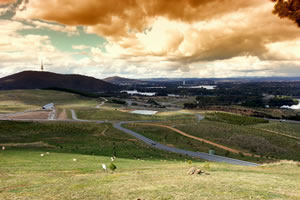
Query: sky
148,38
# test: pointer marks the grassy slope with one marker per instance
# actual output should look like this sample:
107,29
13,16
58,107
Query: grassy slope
20,100
245,138
233,118
89,139
26,175
171,138
108,112
231,133
292,129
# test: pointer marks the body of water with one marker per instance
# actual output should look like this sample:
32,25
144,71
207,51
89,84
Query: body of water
135,92
144,112
208,87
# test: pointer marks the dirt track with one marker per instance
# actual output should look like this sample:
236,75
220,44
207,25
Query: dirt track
62,115
200,139
278,133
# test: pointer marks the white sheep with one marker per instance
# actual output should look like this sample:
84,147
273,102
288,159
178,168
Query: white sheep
3,148
42,155
74,159
104,167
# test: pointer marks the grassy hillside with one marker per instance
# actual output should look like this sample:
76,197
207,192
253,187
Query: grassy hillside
27,175
89,139
246,138
115,113
42,80
250,137
173,139
233,118
292,129
142,172
21,100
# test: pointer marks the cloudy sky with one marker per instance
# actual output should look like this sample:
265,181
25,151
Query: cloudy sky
148,38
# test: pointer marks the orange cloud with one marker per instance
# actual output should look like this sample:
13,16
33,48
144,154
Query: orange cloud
115,17
7,1
179,31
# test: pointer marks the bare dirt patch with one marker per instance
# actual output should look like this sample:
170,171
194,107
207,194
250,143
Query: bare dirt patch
28,115
170,145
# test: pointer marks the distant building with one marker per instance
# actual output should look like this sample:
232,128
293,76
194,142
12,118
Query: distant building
49,106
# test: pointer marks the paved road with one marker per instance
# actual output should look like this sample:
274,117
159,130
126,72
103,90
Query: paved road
101,104
283,120
201,155
74,117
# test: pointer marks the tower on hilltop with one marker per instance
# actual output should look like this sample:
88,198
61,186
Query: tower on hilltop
42,66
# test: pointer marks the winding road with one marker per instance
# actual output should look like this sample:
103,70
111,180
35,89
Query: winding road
154,144
101,104
159,146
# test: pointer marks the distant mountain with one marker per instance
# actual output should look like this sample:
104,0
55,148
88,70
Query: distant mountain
42,80
233,79
124,81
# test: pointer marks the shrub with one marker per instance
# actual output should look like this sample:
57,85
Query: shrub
227,153
112,167
206,166
118,101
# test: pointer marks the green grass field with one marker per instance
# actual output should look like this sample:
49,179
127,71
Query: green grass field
26,175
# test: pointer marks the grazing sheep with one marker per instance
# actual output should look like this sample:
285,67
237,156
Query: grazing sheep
74,159
3,148
42,155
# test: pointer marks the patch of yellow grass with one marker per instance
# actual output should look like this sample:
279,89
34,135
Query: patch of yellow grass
282,162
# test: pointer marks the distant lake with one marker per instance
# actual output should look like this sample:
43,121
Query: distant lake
161,87
135,92
294,107
208,87
144,112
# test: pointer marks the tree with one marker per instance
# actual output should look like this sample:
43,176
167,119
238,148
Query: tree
288,8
